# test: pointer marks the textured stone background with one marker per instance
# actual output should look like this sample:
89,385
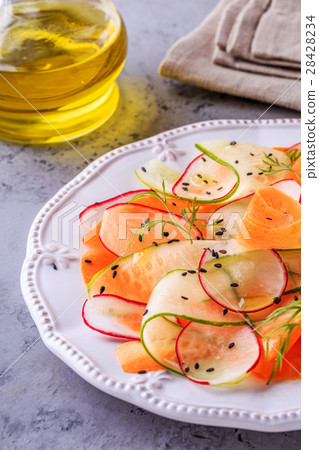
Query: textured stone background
44,404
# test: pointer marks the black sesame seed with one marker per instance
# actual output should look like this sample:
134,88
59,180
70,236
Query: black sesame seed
142,371
220,188
270,154
143,168
225,312
249,173
87,260
208,193
268,218
219,221
198,238
213,252
252,154
185,189
147,220
114,267
203,159
211,369
231,345
184,298
236,162
216,255
145,312
199,175
277,300
173,203
295,297
166,233
205,181
155,244
218,265
173,240
114,274
203,270
191,271
223,252
234,285
224,230
196,366
260,173
186,369
233,143
54,266
102,289
140,238
185,184
184,274
219,233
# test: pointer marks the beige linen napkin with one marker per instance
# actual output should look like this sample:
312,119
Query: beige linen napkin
280,23
190,61
227,20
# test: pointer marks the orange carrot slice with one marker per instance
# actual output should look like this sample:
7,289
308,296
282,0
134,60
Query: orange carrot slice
94,260
272,219
134,359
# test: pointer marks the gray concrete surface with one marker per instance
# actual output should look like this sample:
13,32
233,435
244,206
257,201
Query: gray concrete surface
44,404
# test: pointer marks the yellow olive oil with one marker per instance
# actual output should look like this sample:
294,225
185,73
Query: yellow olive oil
58,64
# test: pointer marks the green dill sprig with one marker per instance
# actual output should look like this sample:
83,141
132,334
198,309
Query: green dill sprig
275,166
286,327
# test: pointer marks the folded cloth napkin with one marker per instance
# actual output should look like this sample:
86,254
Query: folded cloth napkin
230,16
190,61
281,23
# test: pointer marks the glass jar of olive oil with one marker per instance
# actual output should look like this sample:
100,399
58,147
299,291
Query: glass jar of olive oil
58,64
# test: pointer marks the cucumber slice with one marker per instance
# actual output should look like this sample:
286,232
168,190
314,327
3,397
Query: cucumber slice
154,172
212,355
245,160
179,295
137,274
114,316
240,280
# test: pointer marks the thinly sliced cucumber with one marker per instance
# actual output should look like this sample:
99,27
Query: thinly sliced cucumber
241,280
154,172
179,295
212,355
245,160
114,316
137,274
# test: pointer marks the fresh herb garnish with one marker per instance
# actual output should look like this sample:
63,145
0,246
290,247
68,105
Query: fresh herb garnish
275,166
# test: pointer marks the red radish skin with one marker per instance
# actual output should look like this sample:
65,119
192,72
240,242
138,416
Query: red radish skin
206,382
298,145
116,335
180,180
239,311
196,234
126,197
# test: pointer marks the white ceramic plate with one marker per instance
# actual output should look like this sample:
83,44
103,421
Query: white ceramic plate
53,289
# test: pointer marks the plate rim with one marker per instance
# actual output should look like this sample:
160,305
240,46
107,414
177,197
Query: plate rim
143,390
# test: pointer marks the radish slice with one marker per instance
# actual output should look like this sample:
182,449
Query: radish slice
229,217
206,180
179,295
120,223
246,160
114,316
292,260
240,280
214,355
91,215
